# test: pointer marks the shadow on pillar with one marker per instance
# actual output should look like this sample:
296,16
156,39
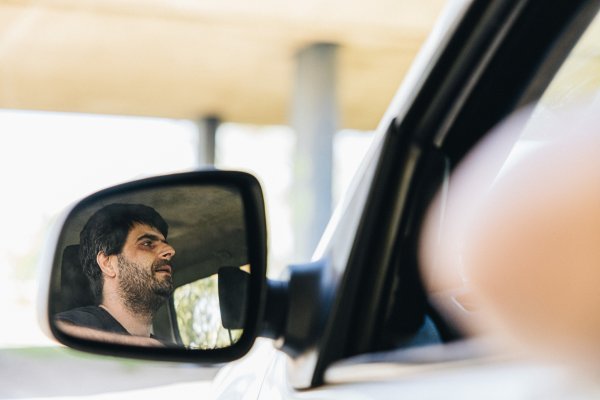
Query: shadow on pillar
207,134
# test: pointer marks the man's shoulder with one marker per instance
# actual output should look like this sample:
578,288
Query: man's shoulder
94,317
81,312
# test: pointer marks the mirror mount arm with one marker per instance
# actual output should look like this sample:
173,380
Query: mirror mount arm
275,309
308,299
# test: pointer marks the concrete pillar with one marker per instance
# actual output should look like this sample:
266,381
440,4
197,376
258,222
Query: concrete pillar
314,119
207,133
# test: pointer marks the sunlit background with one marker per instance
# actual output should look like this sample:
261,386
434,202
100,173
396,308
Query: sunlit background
95,93
53,159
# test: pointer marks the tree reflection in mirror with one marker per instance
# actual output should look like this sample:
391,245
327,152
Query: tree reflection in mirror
165,266
211,311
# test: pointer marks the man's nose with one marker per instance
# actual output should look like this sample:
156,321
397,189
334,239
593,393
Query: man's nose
167,251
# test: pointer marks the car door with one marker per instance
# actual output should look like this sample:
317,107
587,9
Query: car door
490,59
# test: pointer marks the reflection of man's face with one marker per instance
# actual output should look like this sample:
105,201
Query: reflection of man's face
145,271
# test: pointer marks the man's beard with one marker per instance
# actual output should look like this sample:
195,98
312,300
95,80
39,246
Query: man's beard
140,289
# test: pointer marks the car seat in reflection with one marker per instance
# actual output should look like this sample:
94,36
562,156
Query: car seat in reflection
75,289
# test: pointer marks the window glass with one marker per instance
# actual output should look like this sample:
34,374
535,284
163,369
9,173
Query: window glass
457,208
579,76
532,262
577,82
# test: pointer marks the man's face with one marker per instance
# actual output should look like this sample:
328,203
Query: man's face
145,271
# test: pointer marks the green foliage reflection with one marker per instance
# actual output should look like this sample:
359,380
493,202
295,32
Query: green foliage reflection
199,317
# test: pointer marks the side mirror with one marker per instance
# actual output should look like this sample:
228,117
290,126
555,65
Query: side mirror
169,268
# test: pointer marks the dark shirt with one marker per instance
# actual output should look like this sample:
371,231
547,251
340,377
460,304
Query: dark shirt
92,317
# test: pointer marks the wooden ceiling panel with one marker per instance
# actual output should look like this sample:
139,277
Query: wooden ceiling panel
187,59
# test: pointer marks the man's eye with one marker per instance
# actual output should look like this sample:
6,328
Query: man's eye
147,243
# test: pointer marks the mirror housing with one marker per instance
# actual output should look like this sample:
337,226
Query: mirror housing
217,230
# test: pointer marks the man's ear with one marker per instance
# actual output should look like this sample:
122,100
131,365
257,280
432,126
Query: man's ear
106,264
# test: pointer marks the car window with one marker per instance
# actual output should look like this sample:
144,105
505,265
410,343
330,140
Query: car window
575,86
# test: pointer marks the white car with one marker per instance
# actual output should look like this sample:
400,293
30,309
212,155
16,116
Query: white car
372,315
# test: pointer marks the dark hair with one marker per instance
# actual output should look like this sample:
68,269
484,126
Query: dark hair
107,230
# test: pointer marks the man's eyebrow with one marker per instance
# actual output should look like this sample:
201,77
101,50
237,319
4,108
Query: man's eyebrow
151,236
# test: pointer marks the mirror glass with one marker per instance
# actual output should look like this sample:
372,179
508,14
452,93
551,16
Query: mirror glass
163,266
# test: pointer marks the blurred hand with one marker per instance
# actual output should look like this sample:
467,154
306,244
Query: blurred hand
526,244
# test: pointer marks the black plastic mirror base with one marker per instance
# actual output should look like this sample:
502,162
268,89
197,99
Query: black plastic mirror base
203,228
276,309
